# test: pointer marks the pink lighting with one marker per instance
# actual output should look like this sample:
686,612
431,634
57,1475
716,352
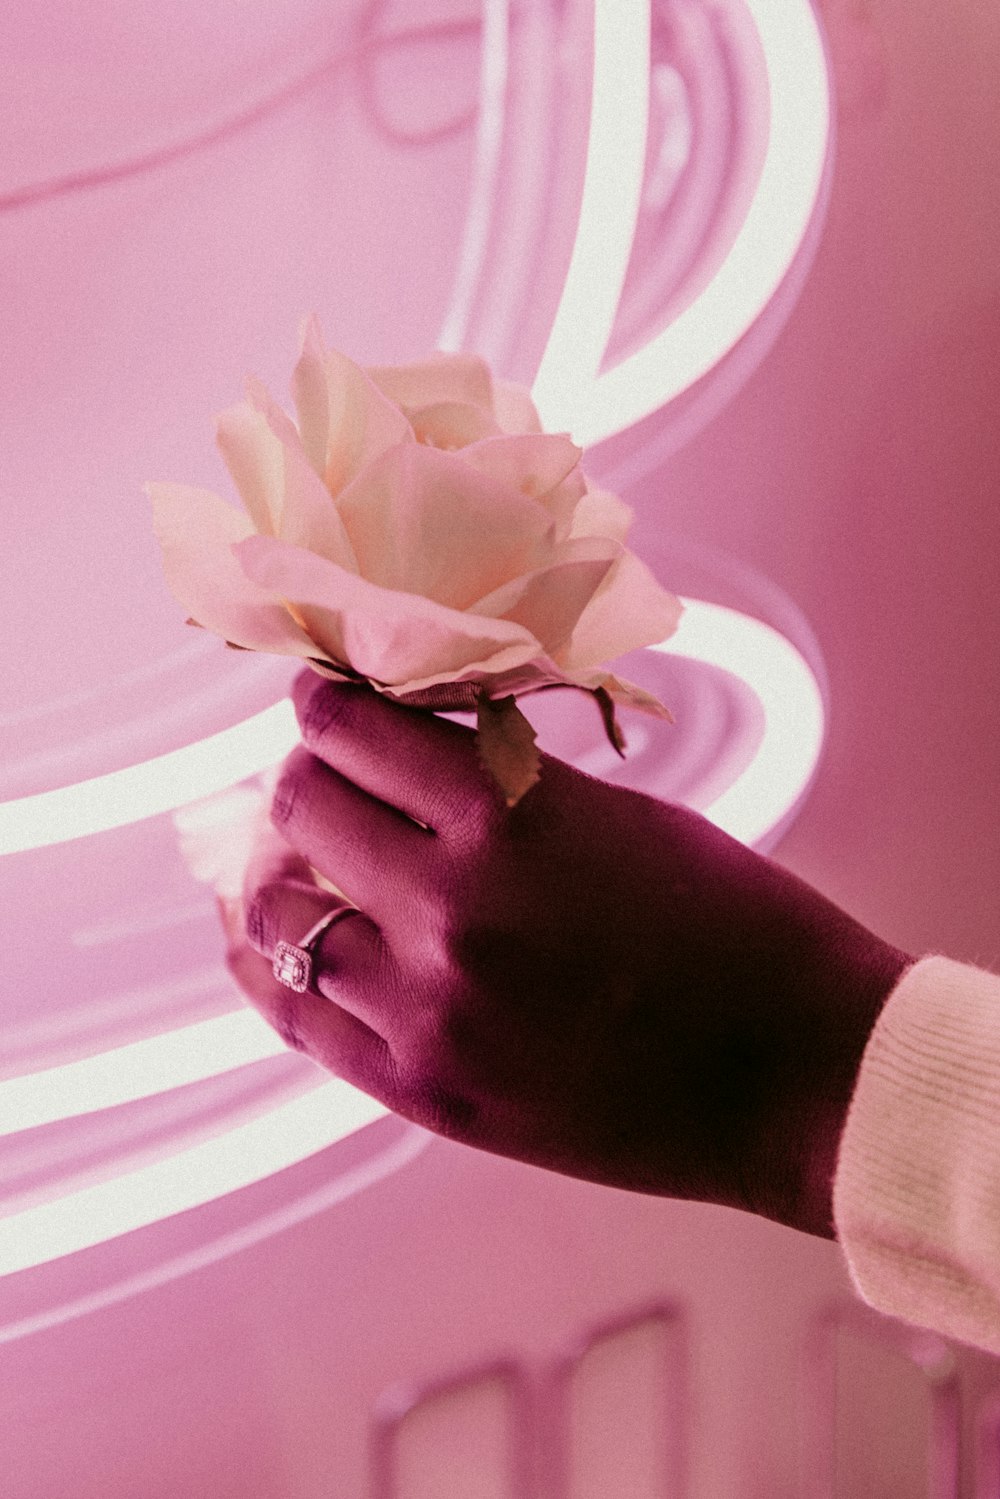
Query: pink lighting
759,789
777,774
186,1179
743,252
154,786
569,390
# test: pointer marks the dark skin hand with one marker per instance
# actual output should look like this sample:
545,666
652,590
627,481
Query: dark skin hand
594,981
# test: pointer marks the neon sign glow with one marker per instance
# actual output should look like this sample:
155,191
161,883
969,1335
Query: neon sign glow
571,396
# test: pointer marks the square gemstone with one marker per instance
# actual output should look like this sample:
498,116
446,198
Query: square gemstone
291,967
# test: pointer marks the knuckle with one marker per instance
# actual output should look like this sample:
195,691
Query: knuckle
442,1110
283,800
455,1037
450,1042
482,953
255,923
324,706
260,919
289,798
482,817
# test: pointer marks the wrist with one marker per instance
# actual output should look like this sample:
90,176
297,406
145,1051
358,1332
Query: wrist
801,1138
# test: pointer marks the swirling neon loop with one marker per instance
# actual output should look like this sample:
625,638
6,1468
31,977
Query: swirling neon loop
570,395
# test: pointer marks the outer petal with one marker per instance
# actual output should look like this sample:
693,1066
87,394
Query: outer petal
452,425
345,420
197,531
549,601
629,610
442,377
303,510
545,467
601,513
393,637
255,459
429,523
513,407
456,691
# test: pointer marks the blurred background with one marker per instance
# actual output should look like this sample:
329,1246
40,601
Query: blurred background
744,251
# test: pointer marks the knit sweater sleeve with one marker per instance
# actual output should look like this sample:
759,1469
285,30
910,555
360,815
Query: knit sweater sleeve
916,1196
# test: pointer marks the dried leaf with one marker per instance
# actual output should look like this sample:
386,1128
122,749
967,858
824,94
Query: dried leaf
607,707
505,741
333,673
629,695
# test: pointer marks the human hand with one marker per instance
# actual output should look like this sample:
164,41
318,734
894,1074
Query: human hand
593,981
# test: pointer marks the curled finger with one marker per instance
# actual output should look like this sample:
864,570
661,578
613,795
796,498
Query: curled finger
308,1022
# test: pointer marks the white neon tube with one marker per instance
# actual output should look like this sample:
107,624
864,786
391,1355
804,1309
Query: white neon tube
493,66
153,786
188,1054
761,657
187,1179
789,694
609,208
568,391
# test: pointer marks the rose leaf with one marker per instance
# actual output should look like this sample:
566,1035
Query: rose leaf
606,704
505,741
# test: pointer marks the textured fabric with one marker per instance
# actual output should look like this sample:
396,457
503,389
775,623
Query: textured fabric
916,1196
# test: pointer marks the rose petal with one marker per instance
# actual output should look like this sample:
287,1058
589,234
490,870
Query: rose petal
545,467
266,458
254,458
391,636
600,513
489,674
281,424
345,420
451,425
428,523
549,601
629,610
513,407
217,836
442,377
196,531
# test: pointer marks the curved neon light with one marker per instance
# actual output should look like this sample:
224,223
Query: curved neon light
609,210
189,1054
153,786
489,138
211,1250
592,408
784,684
568,391
187,1179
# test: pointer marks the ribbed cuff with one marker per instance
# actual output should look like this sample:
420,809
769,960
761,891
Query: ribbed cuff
916,1196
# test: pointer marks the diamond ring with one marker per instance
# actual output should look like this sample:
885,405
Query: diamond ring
292,964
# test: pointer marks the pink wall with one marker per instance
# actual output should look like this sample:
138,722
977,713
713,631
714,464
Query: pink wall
856,470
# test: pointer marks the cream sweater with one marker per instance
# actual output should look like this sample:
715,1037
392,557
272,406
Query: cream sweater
916,1197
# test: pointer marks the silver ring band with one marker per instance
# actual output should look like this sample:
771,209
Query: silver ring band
292,965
